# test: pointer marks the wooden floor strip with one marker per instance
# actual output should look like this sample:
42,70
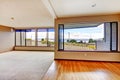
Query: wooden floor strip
83,70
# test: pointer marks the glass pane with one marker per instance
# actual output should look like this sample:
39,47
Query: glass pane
30,37
114,36
105,44
18,37
42,37
85,37
51,38
23,37
61,37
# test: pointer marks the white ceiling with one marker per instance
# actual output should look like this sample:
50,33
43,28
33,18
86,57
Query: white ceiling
26,13
41,13
67,8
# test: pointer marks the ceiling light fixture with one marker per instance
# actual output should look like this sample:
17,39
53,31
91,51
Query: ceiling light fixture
93,5
12,18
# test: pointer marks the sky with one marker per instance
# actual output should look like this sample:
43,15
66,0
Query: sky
85,33
42,33
76,33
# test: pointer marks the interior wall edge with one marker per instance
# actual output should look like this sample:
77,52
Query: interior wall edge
5,28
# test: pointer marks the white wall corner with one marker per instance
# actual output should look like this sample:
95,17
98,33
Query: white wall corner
49,7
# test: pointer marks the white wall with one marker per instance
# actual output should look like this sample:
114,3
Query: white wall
6,41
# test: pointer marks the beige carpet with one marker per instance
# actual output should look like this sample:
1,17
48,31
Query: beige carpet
24,65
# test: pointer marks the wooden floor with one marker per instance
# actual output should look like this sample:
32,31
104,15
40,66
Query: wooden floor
82,70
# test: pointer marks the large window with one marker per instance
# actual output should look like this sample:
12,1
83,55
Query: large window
30,37
51,38
35,37
42,38
88,37
23,35
20,37
17,38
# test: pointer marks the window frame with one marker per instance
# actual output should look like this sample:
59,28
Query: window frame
104,40
25,37
36,31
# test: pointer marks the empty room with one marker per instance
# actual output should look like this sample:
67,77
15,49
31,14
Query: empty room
59,40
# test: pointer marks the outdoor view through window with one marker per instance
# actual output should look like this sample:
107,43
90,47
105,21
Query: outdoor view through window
35,37
88,37
83,38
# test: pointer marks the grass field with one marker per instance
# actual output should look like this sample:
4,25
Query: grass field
67,45
80,46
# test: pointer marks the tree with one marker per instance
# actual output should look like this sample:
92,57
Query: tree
42,39
81,41
73,41
68,40
91,41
